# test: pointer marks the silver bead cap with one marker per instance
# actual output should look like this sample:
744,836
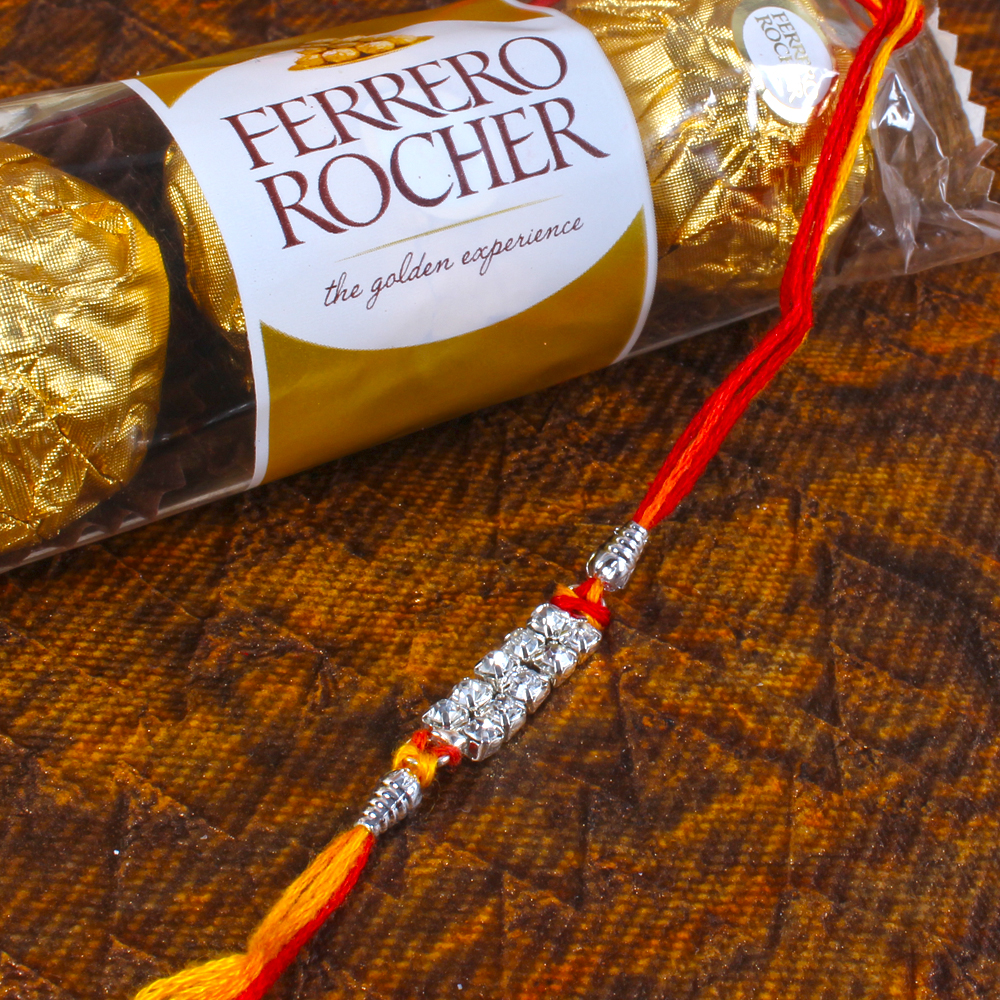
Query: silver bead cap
396,797
615,561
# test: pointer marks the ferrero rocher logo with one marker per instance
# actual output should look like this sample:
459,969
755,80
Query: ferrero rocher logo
346,190
337,51
787,54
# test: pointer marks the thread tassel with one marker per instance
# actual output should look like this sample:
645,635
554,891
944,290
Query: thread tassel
289,924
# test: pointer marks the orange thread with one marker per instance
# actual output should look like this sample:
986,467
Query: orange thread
584,601
421,756
303,906
896,21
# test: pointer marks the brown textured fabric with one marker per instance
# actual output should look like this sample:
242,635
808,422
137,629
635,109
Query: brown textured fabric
779,778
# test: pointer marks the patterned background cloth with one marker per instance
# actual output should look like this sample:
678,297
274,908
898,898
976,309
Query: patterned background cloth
777,779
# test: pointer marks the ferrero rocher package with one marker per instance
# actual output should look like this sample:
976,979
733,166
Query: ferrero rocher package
224,272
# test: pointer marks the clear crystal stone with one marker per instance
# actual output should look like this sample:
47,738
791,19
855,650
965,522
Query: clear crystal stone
512,712
556,663
529,687
524,644
551,622
445,714
493,713
472,693
583,639
495,668
485,736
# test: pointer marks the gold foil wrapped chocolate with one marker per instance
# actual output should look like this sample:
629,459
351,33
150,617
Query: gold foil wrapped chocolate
84,311
730,167
731,150
210,276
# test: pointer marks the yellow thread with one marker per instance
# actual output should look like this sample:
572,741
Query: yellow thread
320,887
225,977
911,13
422,764
593,594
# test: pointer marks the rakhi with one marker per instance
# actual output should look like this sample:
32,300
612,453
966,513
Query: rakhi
509,683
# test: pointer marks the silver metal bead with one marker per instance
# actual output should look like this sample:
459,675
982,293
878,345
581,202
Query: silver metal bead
529,687
512,713
551,622
394,799
495,668
583,639
473,694
614,562
485,736
556,663
523,644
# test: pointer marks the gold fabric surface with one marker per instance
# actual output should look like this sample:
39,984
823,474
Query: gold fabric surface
729,177
83,323
210,274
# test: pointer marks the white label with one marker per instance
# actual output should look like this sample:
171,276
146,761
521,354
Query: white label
791,57
421,192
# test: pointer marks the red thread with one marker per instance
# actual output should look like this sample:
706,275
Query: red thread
424,739
269,974
704,435
579,601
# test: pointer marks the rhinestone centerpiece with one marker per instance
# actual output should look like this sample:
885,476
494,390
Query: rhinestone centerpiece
447,719
484,711
473,694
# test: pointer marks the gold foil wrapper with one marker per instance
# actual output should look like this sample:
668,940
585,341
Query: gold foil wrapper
210,275
729,176
84,311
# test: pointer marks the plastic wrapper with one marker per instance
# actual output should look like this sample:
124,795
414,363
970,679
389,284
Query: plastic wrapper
134,382
734,174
